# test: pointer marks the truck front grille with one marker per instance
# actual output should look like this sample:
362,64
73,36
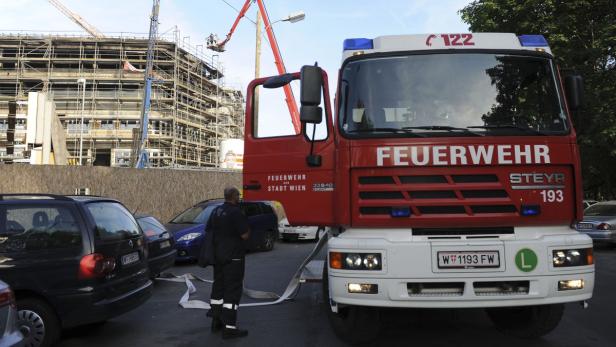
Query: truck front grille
447,194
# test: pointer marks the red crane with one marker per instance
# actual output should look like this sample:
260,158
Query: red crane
219,46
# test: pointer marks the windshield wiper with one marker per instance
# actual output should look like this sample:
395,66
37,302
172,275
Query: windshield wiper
508,126
443,127
391,130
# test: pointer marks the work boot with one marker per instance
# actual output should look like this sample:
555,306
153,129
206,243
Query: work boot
230,333
216,325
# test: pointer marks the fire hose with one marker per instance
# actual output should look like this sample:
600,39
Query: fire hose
289,293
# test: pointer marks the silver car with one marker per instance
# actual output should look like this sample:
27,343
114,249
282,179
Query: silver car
600,222
9,333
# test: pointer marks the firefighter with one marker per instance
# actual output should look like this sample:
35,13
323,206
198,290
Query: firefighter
230,229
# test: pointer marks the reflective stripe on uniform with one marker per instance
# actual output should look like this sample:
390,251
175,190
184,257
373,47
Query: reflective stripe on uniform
230,306
216,301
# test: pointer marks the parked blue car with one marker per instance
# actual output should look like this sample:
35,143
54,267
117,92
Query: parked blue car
188,228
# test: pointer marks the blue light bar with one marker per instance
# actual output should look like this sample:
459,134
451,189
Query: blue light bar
398,212
530,210
533,41
355,44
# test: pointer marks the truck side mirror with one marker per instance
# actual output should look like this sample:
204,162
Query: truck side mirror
574,90
311,82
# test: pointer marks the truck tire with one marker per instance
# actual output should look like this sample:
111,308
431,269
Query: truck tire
37,322
528,322
356,325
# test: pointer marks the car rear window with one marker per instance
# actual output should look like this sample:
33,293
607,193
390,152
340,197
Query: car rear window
250,209
113,221
32,228
601,210
195,215
150,226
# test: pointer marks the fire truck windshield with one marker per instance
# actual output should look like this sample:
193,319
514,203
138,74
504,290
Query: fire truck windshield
452,94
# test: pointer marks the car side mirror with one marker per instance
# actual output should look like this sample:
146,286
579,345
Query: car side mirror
574,90
311,82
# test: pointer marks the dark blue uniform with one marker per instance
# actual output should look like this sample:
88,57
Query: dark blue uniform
228,224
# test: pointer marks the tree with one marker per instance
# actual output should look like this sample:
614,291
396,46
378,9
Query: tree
582,36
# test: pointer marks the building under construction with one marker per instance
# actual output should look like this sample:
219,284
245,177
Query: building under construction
191,110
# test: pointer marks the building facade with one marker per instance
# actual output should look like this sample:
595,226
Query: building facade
191,110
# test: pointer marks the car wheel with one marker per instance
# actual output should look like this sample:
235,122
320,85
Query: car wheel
528,322
268,241
37,322
356,325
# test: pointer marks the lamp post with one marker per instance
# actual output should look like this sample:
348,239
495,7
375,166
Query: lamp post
83,100
216,114
291,18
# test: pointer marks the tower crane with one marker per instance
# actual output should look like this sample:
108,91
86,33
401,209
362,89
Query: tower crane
142,153
219,46
77,19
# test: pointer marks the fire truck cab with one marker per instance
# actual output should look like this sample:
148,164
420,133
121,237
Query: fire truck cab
449,177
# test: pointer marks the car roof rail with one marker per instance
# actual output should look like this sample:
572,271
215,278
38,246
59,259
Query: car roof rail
26,196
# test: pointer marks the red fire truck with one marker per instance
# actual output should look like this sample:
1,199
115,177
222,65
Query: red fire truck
449,176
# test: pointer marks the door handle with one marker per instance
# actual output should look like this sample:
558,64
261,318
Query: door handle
252,186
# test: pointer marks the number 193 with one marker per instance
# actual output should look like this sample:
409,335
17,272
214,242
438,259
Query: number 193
552,195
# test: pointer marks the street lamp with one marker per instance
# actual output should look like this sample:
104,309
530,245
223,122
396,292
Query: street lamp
216,67
83,100
291,18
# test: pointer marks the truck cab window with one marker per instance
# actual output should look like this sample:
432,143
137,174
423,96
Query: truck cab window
424,94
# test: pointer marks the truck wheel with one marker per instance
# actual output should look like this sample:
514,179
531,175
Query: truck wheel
355,325
528,322
268,241
37,322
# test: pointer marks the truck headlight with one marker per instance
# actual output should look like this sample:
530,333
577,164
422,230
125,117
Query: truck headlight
355,261
572,257
189,236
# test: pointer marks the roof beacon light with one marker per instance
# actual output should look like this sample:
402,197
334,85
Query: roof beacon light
355,44
533,41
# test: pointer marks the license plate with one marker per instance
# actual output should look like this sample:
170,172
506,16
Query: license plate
130,258
468,259
289,231
584,226
165,244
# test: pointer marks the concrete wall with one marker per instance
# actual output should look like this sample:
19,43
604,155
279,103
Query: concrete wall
160,192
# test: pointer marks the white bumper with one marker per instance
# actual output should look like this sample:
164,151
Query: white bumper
411,260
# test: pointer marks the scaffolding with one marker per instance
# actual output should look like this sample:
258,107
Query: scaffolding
191,111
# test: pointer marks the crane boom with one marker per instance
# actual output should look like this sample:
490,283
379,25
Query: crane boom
142,154
214,45
77,19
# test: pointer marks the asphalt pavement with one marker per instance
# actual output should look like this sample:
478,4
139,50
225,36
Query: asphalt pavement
303,321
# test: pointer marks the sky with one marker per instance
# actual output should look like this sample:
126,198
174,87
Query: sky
318,38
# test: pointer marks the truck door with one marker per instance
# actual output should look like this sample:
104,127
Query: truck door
280,167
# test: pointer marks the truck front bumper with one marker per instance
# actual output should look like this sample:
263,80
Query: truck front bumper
411,262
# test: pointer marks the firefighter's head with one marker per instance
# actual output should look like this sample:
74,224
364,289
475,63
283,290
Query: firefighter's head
232,195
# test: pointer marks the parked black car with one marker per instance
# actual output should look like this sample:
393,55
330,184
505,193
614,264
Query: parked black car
161,246
188,227
70,261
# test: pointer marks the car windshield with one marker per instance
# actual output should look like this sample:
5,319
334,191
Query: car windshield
461,94
195,215
601,210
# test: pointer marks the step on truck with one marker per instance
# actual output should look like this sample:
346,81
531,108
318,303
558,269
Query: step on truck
449,175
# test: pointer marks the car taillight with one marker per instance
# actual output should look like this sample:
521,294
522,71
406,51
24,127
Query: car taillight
95,265
7,298
604,226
